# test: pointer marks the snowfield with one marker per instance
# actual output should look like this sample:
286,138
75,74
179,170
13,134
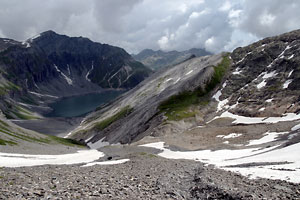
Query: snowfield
258,120
272,163
86,157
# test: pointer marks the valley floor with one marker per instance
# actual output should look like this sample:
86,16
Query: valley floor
144,176
51,126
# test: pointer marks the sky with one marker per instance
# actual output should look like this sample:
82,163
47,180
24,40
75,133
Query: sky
216,25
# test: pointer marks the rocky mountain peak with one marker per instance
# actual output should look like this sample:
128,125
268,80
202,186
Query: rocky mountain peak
265,71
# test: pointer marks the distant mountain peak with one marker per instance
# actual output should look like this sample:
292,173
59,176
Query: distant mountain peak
159,59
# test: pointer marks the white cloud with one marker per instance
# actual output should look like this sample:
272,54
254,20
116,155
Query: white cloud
267,19
138,24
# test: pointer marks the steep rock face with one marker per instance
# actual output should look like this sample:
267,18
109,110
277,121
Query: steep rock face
137,110
55,64
265,77
159,59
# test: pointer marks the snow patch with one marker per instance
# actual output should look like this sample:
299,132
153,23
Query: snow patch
237,71
88,73
268,137
292,56
42,95
25,160
69,81
177,80
269,100
98,144
265,76
238,62
189,72
281,55
232,135
110,162
169,79
296,127
223,158
261,84
286,84
258,120
290,73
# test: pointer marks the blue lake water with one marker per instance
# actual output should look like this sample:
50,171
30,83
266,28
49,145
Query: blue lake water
80,105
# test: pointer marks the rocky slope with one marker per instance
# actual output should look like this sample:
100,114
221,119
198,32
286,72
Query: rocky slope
136,113
160,59
145,177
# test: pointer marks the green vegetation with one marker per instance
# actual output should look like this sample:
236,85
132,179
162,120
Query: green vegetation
66,141
181,106
23,116
105,123
4,128
5,142
148,154
5,88
22,136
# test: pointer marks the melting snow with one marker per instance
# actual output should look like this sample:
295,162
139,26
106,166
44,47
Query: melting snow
290,73
41,95
189,72
169,79
88,73
269,137
177,80
232,135
223,158
69,81
269,75
264,77
262,109
279,57
243,58
262,84
296,127
269,100
217,95
237,71
98,144
110,162
22,160
292,56
257,120
286,84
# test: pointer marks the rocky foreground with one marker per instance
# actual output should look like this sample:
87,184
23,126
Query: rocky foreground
145,176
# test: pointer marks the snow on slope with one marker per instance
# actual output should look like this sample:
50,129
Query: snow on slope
283,164
86,157
258,120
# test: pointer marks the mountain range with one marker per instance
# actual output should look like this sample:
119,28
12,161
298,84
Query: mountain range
159,59
50,65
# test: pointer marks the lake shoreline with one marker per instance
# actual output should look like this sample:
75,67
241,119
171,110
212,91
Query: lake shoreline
61,125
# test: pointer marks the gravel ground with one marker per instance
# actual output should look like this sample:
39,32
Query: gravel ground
145,176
